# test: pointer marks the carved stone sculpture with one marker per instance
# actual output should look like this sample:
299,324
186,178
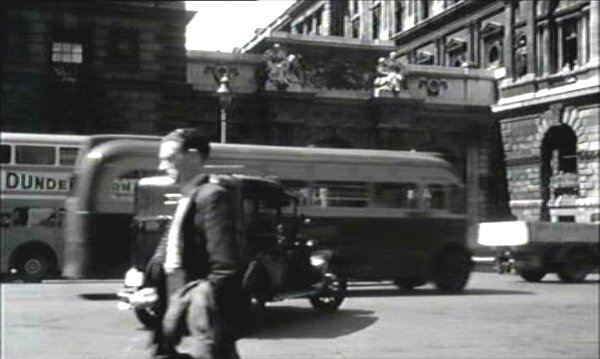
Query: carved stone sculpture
282,70
391,75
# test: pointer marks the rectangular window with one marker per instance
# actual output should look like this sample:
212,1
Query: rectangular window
35,155
356,28
376,23
67,156
355,6
569,44
330,194
319,16
5,152
67,52
398,14
395,195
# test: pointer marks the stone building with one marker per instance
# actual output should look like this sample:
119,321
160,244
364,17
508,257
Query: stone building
541,134
89,67
506,90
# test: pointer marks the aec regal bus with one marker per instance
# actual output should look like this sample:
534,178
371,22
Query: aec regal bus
388,214
35,180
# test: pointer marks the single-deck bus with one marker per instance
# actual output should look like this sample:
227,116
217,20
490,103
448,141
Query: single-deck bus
35,180
389,214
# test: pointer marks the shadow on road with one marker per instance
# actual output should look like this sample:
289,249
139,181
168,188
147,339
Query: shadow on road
294,322
558,281
395,292
99,296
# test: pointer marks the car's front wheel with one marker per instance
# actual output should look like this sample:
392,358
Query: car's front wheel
331,295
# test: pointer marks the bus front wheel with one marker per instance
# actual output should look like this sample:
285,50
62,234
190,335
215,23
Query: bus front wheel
33,267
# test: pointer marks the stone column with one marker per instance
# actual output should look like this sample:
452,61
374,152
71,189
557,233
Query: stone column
546,46
594,32
559,43
472,188
326,19
531,36
508,41
386,20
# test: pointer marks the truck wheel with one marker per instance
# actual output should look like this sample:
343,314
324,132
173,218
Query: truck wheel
576,267
452,270
532,275
33,267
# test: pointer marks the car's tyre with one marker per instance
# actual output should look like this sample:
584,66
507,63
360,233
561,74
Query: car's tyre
331,295
33,267
257,288
532,275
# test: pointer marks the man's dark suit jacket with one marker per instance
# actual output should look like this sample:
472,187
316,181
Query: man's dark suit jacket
209,242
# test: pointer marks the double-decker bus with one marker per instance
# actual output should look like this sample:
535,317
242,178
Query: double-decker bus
36,176
388,214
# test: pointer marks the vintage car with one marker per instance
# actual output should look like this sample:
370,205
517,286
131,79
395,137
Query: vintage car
281,263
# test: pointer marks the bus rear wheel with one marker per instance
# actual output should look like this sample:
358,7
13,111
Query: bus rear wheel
408,283
33,267
452,270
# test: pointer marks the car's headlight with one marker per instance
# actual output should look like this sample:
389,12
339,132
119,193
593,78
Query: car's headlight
134,278
317,261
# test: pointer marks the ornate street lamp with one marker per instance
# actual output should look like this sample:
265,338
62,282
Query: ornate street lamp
225,99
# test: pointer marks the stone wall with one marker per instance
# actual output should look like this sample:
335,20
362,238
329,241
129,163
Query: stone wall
522,138
132,76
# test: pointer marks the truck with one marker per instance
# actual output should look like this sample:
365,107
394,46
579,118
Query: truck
571,250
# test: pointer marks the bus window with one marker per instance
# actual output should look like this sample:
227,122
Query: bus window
67,156
434,196
46,217
5,154
395,195
34,155
20,216
456,199
340,194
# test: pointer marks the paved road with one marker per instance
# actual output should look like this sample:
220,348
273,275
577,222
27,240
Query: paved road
498,316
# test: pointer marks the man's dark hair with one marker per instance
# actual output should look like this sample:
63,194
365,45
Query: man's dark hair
190,139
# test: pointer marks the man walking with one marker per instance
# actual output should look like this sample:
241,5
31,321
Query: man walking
198,257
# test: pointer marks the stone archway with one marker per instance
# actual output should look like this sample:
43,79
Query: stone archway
558,129
558,165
